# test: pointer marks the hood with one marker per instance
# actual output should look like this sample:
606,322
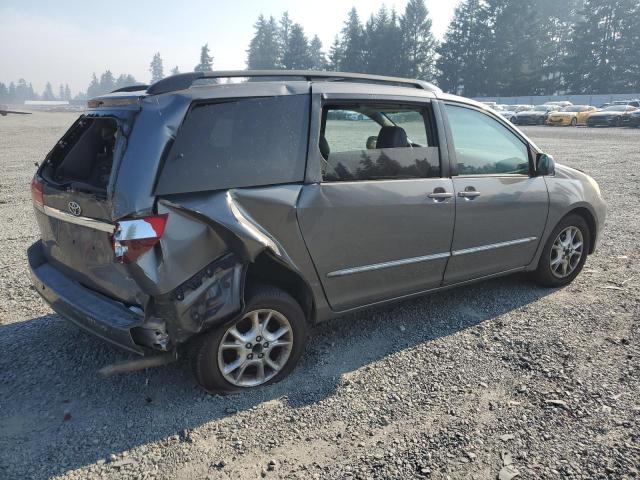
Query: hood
563,114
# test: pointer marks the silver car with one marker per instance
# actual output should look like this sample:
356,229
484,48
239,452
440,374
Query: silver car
226,213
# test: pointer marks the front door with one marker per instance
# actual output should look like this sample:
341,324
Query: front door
501,210
379,224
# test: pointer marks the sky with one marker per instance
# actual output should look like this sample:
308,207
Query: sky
66,41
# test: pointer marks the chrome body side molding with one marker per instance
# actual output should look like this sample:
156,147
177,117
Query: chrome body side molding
393,263
491,246
426,258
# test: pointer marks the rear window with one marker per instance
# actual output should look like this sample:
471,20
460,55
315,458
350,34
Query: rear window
83,157
239,143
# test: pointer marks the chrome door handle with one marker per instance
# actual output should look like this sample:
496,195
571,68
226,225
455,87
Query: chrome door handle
469,194
440,195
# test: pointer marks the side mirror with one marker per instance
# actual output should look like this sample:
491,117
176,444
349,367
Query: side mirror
545,165
371,142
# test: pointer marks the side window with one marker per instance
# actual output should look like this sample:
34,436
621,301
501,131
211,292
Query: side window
238,143
484,146
378,142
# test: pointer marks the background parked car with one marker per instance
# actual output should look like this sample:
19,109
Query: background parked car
613,116
631,103
562,104
536,116
510,110
573,115
634,119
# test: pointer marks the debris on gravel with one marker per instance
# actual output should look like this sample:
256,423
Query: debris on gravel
497,380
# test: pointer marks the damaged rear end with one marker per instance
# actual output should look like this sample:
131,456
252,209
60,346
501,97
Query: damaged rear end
145,242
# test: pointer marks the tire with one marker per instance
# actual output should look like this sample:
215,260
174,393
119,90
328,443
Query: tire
282,311
574,122
548,275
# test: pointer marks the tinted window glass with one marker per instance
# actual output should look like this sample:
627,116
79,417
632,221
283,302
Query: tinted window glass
378,143
248,142
484,146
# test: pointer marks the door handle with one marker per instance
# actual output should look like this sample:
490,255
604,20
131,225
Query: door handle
439,194
469,193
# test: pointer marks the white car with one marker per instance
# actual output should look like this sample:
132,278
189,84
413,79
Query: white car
509,111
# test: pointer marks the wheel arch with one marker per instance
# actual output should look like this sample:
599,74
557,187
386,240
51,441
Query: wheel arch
591,223
269,270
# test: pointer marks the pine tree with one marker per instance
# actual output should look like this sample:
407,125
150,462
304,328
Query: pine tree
558,19
61,92
514,57
264,50
126,80
603,47
175,70
296,54
4,93
382,44
94,87
156,68
418,43
462,62
317,58
284,32
48,92
335,55
353,44
206,60
107,82
67,92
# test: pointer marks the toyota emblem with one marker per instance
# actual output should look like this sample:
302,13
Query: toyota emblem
74,209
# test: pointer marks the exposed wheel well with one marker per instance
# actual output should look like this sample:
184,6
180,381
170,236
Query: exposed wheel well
267,270
591,222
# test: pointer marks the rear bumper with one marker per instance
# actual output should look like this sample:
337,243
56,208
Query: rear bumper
101,316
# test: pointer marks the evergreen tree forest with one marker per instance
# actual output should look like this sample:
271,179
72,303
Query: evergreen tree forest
490,48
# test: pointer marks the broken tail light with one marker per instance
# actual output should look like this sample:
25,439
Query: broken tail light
132,238
37,192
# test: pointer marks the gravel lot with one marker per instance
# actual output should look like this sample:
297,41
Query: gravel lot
479,382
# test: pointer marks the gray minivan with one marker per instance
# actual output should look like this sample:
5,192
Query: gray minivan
224,213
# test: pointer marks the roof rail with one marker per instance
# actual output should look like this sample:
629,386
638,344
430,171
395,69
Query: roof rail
185,80
131,88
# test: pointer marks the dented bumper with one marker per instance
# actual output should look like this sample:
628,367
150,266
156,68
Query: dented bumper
99,315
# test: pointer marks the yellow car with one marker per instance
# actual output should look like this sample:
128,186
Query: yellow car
572,115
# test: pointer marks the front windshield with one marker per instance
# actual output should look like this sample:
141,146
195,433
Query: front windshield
542,108
615,108
574,108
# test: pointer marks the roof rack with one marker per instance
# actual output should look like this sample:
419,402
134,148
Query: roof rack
131,88
185,80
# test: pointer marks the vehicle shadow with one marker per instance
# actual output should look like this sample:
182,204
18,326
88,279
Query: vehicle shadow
57,414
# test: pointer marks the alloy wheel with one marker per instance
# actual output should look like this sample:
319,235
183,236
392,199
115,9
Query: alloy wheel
566,252
255,348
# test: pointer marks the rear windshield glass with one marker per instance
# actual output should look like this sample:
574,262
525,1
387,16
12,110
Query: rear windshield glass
240,143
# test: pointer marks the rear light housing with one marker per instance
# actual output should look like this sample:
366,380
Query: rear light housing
37,192
132,238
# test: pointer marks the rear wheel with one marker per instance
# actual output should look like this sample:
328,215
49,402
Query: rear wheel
259,347
574,121
565,252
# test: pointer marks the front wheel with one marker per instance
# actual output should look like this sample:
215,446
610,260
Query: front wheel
574,122
565,252
259,347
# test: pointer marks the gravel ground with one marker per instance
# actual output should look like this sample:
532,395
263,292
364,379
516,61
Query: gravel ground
480,382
